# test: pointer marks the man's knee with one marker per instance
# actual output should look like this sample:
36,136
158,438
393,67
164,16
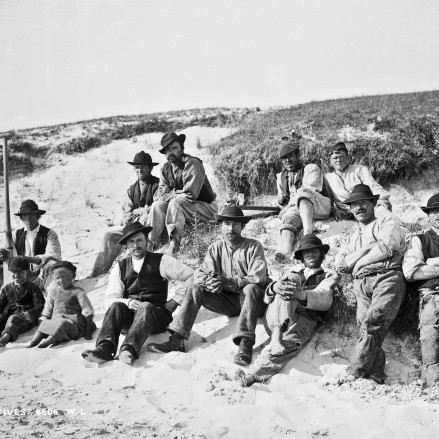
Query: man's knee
253,291
115,308
159,206
145,308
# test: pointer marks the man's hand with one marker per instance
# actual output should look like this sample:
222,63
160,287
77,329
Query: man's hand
171,305
179,194
282,200
339,215
139,211
134,304
3,254
289,290
213,283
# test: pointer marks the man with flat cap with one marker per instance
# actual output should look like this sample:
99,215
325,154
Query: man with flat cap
299,196
421,265
184,190
339,184
230,281
297,302
137,297
374,258
38,244
138,200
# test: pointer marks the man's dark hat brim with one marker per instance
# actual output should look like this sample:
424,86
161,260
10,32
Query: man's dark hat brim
142,158
128,232
309,242
171,138
360,192
432,204
242,219
288,148
143,163
29,206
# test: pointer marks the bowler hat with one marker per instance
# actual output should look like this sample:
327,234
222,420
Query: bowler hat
339,146
360,192
142,158
432,203
287,148
29,206
309,242
232,213
168,138
18,263
132,229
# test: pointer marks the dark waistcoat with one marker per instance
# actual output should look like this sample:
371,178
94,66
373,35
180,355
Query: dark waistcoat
40,242
147,285
135,194
430,249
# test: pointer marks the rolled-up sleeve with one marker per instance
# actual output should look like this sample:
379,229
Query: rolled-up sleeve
173,269
413,258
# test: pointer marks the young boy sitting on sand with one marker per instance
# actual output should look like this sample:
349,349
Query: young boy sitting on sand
21,302
68,313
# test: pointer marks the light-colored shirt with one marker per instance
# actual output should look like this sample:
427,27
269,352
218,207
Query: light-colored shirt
170,269
341,183
240,264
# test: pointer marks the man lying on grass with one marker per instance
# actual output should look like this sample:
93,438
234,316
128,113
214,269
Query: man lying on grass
296,305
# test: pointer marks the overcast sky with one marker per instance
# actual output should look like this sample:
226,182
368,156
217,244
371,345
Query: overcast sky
72,60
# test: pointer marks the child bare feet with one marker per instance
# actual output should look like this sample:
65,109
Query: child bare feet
126,357
277,348
4,340
243,379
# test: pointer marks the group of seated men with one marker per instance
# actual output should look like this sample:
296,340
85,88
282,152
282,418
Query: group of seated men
233,278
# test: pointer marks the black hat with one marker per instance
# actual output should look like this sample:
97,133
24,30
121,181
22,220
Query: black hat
308,242
360,192
132,229
339,146
64,264
287,148
142,158
18,263
29,206
232,213
432,203
168,138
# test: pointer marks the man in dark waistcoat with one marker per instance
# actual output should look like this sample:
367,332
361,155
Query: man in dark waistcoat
137,297
184,190
421,265
296,305
138,200
38,244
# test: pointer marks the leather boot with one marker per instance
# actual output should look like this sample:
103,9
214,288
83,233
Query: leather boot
245,352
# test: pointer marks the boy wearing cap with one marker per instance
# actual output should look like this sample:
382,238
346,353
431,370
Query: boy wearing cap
421,265
374,257
38,244
184,190
230,281
299,196
136,297
340,183
296,305
138,200
21,302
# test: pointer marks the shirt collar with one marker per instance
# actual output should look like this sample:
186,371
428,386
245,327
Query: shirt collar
34,231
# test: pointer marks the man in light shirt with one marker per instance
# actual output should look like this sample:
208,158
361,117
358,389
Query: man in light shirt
374,258
421,265
341,182
38,244
136,297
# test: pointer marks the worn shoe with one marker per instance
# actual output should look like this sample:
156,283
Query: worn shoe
99,355
245,352
174,344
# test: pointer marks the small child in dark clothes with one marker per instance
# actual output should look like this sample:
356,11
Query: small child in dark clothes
21,302
68,312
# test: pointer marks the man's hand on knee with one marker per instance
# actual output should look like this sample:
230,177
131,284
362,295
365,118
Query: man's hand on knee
180,195
213,283
134,304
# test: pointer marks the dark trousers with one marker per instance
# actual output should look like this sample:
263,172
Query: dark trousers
429,335
15,324
379,297
147,319
248,305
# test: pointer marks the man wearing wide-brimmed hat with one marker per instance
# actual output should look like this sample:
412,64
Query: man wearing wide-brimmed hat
299,195
183,191
38,244
230,281
374,257
340,183
297,302
137,297
138,200
421,265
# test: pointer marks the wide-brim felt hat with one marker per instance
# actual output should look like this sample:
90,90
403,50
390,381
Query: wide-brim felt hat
131,230
168,138
29,206
232,213
360,192
288,148
432,203
142,158
309,242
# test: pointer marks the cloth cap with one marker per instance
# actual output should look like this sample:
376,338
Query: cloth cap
64,264
287,148
142,158
361,192
132,229
232,213
168,138
339,146
309,242
432,203
29,206
18,263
